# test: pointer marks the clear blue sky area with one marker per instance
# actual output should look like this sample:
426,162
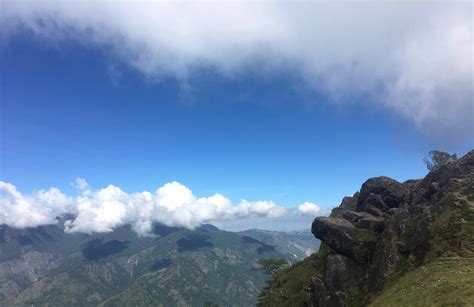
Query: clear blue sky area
73,111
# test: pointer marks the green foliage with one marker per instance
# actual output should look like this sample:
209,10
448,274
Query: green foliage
447,281
182,267
356,297
271,265
412,261
447,277
437,159
446,232
288,287
323,257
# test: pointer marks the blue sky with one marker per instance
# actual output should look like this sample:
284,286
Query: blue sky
72,108
65,116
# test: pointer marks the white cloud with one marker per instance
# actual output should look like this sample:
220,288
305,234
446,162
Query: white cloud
260,208
104,209
308,208
40,209
415,58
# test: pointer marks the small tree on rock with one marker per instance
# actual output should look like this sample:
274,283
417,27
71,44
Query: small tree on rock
437,159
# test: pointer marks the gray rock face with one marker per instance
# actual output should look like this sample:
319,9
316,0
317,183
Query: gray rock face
382,193
342,272
316,292
344,237
349,202
384,227
364,220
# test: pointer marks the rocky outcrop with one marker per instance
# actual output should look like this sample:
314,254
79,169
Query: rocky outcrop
364,220
343,237
342,272
382,193
385,229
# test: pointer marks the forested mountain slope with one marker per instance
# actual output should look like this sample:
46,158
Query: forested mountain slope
46,266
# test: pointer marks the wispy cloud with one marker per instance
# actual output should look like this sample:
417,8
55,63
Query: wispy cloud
415,59
105,209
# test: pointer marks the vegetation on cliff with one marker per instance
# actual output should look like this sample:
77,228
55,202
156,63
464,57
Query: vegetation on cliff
391,244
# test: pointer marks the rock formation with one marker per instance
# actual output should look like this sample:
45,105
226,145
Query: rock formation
385,230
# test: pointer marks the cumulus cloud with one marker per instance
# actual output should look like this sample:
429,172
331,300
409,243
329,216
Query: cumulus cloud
40,209
308,208
105,209
414,58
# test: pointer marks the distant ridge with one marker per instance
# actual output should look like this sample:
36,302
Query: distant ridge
47,266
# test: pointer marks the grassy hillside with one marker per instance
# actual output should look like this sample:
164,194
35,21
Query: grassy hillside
444,281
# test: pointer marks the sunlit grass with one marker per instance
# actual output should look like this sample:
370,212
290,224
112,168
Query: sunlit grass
445,281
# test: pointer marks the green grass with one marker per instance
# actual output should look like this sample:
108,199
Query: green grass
445,281
288,287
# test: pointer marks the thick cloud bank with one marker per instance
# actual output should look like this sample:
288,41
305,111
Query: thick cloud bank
103,210
415,58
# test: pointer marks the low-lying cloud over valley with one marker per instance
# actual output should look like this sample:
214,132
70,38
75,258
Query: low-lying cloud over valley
105,209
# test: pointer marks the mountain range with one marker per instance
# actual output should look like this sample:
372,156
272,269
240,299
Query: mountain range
174,267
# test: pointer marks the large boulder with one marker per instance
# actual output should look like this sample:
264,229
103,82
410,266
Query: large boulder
364,220
343,237
348,204
380,194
